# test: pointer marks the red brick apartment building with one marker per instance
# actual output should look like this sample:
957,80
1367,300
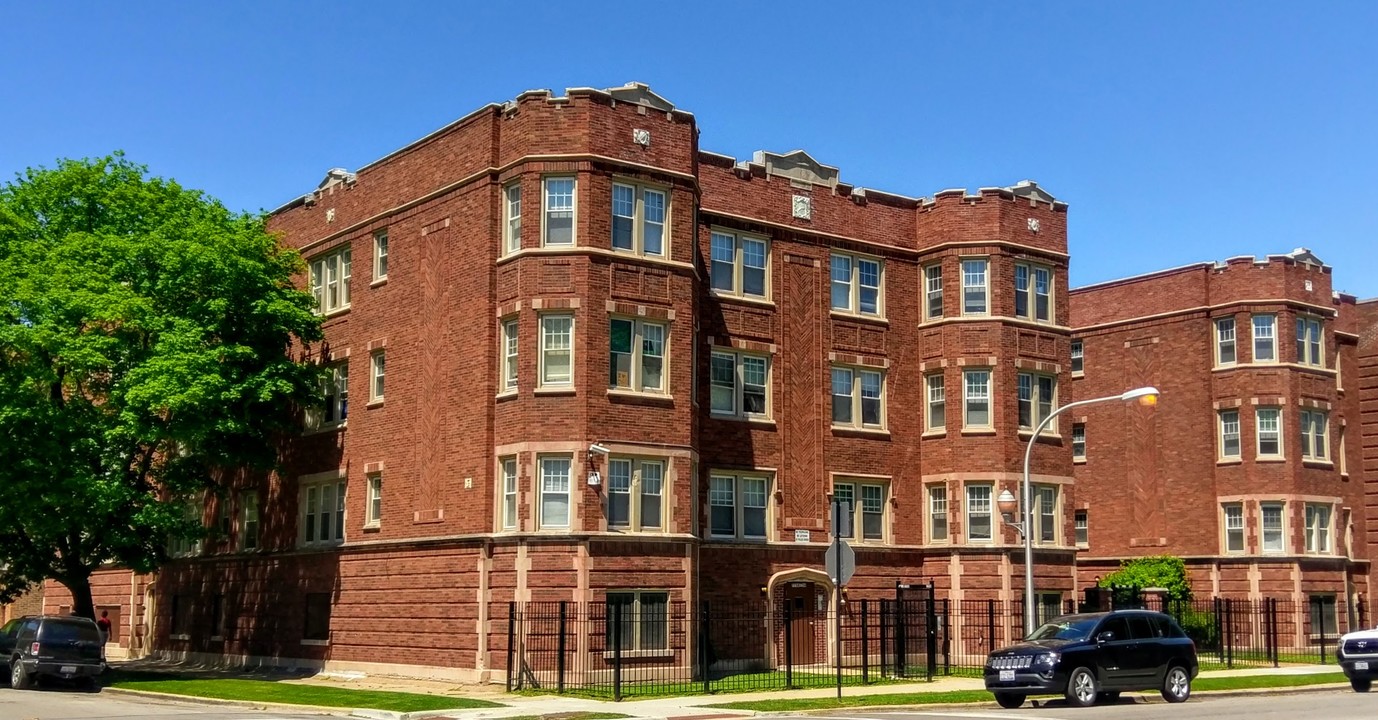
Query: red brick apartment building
582,359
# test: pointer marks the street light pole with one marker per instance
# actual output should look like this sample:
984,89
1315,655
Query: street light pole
1145,396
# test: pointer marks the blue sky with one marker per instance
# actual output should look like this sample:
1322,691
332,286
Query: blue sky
1178,132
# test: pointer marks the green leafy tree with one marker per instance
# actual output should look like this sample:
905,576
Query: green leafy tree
146,335
1156,571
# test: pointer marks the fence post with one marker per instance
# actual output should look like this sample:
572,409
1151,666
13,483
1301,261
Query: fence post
511,635
1320,617
789,647
884,623
1274,635
865,646
931,626
560,649
1229,633
990,625
617,652
901,633
703,648
947,636
1219,628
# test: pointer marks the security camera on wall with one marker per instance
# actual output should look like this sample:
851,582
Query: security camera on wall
599,449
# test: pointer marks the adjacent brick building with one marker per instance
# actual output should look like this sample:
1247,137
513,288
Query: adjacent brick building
590,361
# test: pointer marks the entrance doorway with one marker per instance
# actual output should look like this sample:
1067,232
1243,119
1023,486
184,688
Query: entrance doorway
806,621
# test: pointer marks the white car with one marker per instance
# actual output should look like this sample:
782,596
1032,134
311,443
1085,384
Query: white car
1358,655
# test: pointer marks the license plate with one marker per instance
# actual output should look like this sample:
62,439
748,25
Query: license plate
67,669
1361,665
1006,676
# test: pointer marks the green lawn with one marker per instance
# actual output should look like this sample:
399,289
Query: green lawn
267,691
743,682
980,696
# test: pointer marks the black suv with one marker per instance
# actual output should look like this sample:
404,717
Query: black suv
50,646
1095,656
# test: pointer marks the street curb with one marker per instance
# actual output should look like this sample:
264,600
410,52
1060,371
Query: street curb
368,713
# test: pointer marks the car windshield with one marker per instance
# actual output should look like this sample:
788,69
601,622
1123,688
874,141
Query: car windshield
60,631
1068,628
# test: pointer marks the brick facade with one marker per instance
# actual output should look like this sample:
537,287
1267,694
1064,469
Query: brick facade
738,310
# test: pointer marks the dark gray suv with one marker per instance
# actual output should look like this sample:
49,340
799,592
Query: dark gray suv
50,646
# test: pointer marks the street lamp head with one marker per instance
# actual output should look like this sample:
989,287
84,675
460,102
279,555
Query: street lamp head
1006,503
1147,396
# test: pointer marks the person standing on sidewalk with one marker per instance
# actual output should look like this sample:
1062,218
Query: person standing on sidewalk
104,624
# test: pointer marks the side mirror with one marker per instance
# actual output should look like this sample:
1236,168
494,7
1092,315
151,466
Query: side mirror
1105,637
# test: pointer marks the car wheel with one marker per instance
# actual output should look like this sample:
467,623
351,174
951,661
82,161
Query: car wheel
90,685
1361,684
19,680
1009,701
1108,697
1081,688
1176,685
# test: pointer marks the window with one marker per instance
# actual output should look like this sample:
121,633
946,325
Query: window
217,616
1323,618
509,355
1082,527
976,399
1033,292
322,513
937,514
937,403
559,211
1049,606
866,502
555,491
858,398
509,493
737,506
248,520
1037,396
222,517
1046,514
1224,341
182,544
1274,539
856,284
739,265
373,512
557,346
380,255
1229,433
636,355
180,625
377,368
639,620
512,226
635,491
330,280
1318,529
1309,341
1078,361
739,383
1315,427
978,513
933,291
1265,338
1269,421
316,626
335,389
1234,528
974,287
1078,441
638,219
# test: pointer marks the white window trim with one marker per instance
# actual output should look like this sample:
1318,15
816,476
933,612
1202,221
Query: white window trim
338,520
858,508
248,508
1254,338
374,486
1307,419
1079,456
1262,531
377,376
1258,434
336,374
929,515
1031,294
636,376
541,370
503,493
739,387
1035,399
968,515
1225,529
573,210
856,399
739,265
1304,357
1037,492
512,242
1312,531
739,506
509,354
193,511
1219,343
854,285
1081,525
636,520
340,262
639,222
929,291
967,398
541,523
1078,353
929,403
380,255
1221,455
985,287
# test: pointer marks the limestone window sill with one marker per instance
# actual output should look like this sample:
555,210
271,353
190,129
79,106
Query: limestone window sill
978,431
845,315
316,643
1229,461
762,302
322,430
1270,460
380,282
861,431
505,395
640,395
1318,464
1079,460
758,421
556,390
375,403
934,434
1026,434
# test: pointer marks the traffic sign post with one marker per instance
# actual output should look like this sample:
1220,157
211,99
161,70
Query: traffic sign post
840,562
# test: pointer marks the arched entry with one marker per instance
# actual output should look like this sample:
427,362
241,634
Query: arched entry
800,600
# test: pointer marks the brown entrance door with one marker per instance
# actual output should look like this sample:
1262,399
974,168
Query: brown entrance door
800,596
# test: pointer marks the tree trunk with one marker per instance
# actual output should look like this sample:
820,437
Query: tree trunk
80,587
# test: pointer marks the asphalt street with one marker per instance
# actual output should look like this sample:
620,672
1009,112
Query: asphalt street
56,704
1336,705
